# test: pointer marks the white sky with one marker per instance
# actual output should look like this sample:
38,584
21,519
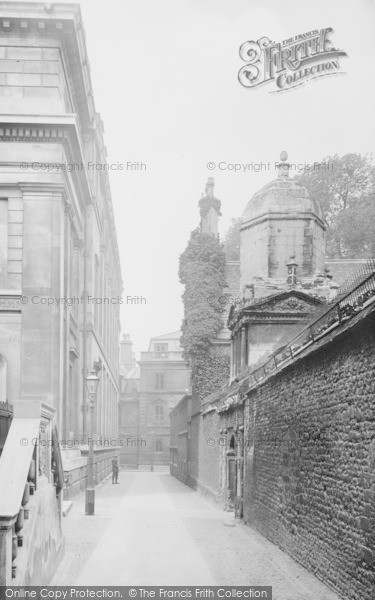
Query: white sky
165,83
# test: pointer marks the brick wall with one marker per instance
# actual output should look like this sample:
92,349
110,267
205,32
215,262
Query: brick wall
194,450
179,418
209,478
310,462
200,451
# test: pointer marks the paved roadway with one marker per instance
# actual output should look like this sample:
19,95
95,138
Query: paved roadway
152,530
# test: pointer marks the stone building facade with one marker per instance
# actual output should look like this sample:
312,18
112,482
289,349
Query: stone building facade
60,282
149,391
129,423
60,279
60,274
164,380
288,442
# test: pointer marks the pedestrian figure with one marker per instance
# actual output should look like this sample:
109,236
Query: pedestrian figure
115,470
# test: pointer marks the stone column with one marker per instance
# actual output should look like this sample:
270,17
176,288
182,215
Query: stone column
238,352
243,348
42,342
66,289
234,356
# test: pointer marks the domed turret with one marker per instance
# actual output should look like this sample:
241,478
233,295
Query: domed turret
279,221
282,195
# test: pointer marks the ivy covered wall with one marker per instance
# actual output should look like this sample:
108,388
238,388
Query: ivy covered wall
202,272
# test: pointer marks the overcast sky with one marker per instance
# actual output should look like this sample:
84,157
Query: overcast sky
165,83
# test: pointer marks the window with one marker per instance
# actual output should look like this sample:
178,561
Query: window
158,446
160,350
159,414
161,347
160,381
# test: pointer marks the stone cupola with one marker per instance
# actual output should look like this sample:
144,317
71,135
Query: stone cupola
280,221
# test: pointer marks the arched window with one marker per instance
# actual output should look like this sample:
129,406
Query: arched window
158,446
3,379
232,443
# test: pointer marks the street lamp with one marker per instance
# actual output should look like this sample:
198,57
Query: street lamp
92,382
152,450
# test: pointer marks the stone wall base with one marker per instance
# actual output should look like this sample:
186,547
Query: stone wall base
75,469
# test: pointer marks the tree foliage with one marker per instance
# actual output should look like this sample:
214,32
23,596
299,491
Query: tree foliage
344,188
202,272
345,191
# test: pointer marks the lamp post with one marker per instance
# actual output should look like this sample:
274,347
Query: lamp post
152,450
92,382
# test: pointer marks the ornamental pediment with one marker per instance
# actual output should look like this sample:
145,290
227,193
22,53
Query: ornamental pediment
286,302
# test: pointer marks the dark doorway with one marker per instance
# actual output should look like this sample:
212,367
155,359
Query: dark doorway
231,481
232,472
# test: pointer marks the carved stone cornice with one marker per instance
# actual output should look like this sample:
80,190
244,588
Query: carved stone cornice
10,302
22,133
45,188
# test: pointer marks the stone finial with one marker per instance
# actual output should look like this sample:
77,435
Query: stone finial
283,155
327,272
210,187
283,166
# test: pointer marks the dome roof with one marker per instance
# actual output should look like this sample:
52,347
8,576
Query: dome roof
282,195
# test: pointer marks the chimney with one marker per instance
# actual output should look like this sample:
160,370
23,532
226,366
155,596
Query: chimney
210,187
126,352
